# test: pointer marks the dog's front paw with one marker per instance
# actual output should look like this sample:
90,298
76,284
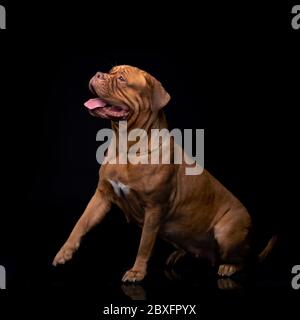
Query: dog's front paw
227,270
134,275
65,254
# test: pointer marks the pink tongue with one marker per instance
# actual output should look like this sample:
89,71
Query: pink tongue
95,103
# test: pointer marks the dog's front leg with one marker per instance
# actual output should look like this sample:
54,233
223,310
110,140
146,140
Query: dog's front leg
149,233
93,214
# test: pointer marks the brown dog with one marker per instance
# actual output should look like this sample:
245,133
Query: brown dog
195,213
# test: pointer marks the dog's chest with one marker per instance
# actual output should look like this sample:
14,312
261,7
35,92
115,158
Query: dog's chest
120,189
128,200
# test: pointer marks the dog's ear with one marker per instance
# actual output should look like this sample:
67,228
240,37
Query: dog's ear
160,96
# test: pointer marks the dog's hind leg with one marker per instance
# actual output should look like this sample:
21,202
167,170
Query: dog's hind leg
174,257
232,236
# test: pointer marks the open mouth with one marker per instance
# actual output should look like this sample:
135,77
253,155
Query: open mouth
100,108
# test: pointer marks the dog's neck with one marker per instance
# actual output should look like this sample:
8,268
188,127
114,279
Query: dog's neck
155,121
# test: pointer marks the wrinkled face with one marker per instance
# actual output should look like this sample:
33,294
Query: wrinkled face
124,93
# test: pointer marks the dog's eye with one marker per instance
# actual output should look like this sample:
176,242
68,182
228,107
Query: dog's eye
121,78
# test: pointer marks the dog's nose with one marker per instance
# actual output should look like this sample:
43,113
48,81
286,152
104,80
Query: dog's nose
100,75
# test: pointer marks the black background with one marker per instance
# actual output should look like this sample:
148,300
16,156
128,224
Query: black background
231,70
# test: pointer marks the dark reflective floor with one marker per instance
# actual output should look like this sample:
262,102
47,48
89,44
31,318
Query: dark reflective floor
86,289
87,285
92,280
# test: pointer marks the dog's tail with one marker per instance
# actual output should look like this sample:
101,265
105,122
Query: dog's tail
268,248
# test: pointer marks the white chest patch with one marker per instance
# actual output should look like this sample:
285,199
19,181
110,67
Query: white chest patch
119,188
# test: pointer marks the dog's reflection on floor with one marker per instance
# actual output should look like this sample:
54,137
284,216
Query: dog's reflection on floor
222,283
228,284
134,291
137,291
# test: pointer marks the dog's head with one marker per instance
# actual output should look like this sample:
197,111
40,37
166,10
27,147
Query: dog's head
125,93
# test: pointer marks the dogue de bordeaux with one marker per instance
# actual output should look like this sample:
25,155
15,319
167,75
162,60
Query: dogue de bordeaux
195,213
